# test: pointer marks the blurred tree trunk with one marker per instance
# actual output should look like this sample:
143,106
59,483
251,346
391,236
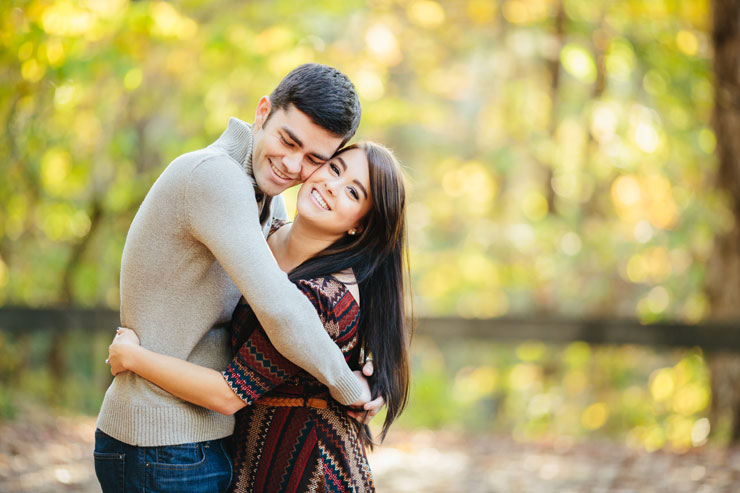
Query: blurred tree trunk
554,69
724,267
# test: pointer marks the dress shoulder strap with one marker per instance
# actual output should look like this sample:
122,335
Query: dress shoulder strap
277,223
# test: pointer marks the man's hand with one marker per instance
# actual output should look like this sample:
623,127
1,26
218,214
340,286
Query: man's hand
365,410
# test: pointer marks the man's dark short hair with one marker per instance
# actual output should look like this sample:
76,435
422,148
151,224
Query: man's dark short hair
323,93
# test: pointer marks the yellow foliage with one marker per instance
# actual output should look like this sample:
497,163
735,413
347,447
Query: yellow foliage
654,439
32,70
3,274
473,383
369,83
678,432
482,303
575,382
478,269
133,78
626,191
273,39
55,167
64,19
525,12
525,377
169,23
687,42
534,206
662,384
25,51
595,416
577,354
426,13
382,44
530,351
482,11
663,212
578,62
87,128
53,48
658,206
61,222
690,399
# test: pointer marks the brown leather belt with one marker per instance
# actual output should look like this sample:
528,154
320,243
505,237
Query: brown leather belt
314,402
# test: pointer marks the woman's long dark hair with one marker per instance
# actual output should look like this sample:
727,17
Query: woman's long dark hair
378,257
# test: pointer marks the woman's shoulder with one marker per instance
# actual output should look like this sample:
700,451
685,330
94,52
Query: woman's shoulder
276,224
347,278
331,290
336,306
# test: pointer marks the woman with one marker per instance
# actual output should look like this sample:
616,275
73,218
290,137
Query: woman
345,247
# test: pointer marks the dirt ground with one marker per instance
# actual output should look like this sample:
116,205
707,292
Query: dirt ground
41,454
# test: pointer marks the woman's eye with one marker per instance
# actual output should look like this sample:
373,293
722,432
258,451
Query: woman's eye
354,194
285,142
334,168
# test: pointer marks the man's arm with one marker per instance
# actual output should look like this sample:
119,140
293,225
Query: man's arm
222,214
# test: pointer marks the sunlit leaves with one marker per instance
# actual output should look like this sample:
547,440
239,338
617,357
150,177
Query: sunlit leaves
168,22
578,62
554,171
595,416
654,399
66,19
687,42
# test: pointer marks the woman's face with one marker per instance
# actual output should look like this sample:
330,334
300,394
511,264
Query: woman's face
337,196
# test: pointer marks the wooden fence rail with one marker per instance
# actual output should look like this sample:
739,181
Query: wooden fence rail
708,336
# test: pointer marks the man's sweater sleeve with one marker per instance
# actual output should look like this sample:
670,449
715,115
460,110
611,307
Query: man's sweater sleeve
222,214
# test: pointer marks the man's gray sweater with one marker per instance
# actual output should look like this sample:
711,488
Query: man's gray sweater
194,246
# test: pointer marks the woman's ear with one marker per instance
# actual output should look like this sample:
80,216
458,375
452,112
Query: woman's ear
355,231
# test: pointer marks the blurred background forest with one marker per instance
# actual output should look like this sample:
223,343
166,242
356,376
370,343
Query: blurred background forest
561,158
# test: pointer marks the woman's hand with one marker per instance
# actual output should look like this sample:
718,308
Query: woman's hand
126,336
120,350
365,410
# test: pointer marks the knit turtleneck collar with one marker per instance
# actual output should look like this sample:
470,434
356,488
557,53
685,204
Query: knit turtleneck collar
237,141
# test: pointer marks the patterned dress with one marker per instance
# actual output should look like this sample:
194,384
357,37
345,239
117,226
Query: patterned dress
299,448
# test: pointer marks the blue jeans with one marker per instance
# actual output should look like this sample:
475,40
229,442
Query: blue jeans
190,467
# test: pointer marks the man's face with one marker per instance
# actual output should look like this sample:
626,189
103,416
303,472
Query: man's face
288,147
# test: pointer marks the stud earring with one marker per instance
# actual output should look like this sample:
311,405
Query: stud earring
352,232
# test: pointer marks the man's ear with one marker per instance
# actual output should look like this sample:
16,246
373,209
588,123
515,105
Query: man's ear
261,113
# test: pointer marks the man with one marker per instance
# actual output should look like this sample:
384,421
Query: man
196,244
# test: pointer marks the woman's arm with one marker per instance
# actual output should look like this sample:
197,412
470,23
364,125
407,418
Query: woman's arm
199,385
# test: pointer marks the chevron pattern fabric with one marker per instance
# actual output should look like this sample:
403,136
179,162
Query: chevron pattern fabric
295,449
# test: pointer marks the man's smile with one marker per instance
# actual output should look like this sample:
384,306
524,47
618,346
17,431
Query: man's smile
279,173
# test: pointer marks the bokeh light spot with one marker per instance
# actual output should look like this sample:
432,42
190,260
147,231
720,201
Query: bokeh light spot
578,62
595,416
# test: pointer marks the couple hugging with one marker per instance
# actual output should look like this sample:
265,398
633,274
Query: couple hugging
244,361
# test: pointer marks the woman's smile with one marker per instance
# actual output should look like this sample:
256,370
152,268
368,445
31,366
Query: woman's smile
319,199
